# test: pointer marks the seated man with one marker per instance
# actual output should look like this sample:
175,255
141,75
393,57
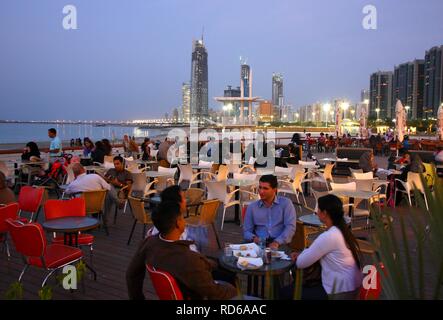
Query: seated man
119,177
92,182
166,252
271,219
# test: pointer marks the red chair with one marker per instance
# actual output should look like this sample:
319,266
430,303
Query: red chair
30,199
164,284
30,241
9,211
75,207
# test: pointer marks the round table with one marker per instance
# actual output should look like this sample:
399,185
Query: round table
276,268
314,221
71,226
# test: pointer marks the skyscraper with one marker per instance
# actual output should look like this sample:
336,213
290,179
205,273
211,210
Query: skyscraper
245,89
408,86
364,95
199,82
433,87
380,95
277,94
186,104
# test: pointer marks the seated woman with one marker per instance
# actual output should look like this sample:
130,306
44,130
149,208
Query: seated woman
294,154
98,153
367,162
337,251
31,152
88,146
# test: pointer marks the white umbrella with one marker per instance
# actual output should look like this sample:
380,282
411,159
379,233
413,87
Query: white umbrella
440,122
338,129
363,123
400,116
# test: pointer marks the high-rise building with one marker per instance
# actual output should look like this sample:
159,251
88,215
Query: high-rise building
199,82
265,111
186,104
277,94
408,86
380,95
245,88
364,95
175,115
433,87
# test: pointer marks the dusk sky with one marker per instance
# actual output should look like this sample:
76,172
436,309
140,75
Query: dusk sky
128,59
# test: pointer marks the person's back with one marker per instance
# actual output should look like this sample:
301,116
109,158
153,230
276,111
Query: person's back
340,272
190,269
87,182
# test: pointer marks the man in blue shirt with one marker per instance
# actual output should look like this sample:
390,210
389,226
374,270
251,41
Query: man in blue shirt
272,219
55,148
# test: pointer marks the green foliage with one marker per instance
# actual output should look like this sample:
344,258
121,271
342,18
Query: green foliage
45,293
14,292
402,276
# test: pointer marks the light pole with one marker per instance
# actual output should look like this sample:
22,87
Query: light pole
326,108
407,111
352,114
313,118
378,113
297,115
344,106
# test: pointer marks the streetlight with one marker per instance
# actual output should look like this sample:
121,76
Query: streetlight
313,117
352,114
344,106
297,115
407,111
326,108
378,113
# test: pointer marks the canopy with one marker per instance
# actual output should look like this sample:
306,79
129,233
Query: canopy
400,116
440,122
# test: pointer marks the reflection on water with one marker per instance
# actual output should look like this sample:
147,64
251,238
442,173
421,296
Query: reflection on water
24,132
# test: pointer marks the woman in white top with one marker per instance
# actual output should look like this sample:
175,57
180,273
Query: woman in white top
337,251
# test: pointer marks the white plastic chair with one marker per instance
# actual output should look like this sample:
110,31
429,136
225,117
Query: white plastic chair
294,187
217,190
413,182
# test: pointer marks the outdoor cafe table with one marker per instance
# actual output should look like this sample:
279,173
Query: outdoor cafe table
276,268
155,201
155,174
237,183
71,226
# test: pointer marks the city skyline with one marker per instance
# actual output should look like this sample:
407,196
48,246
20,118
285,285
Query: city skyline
129,61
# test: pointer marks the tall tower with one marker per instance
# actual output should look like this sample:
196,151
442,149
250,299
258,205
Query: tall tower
186,95
277,94
199,82
245,92
433,92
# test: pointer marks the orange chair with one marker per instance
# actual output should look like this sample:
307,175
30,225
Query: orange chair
75,207
164,284
30,200
9,211
30,241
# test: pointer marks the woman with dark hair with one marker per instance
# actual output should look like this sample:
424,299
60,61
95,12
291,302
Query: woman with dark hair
294,154
88,146
338,253
107,147
98,153
31,152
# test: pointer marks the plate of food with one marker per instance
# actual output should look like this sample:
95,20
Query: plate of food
244,246
277,254
245,253
249,263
